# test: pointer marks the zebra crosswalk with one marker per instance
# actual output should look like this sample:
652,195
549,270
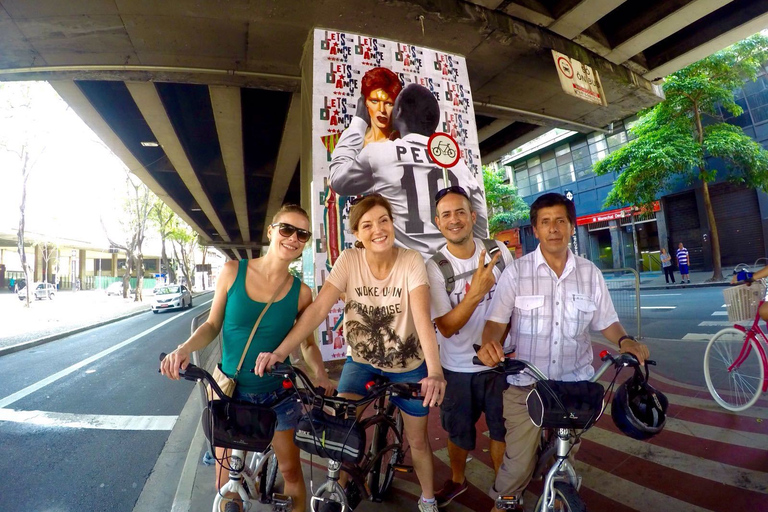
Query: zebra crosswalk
706,459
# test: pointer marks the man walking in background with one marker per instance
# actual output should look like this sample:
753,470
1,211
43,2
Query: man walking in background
462,281
682,263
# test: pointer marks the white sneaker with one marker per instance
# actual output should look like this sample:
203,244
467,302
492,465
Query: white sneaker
427,507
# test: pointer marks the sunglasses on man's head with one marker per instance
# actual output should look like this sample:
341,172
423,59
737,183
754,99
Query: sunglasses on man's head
287,230
455,189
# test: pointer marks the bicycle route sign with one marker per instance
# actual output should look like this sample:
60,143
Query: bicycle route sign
443,150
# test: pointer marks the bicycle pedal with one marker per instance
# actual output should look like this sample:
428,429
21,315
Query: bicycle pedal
282,503
509,503
402,468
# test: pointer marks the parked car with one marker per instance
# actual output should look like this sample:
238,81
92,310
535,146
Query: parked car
117,289
174,296
39,291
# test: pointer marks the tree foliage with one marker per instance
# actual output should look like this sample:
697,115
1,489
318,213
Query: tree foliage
184,241
505,206
676,137
165,221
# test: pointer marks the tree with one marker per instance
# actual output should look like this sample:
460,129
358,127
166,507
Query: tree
166,221
184,242
28,145
133,224
678,135
505,207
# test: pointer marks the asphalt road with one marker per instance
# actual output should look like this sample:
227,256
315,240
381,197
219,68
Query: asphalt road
104,383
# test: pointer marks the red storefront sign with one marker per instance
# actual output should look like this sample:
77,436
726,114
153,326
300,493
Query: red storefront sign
614,214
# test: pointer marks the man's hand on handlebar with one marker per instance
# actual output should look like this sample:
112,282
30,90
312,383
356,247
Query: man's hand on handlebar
637,349
170,365
491,353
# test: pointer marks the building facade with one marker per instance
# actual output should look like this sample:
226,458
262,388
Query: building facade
629,237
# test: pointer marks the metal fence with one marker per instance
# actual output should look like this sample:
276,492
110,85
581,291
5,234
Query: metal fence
209,356
624,287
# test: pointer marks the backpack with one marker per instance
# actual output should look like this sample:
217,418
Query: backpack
491,248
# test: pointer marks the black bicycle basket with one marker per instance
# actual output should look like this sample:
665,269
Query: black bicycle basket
559,404
324,435
239,425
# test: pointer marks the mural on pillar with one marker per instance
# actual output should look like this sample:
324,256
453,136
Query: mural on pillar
375,103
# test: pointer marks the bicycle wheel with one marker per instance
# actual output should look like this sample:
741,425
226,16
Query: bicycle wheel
267,477
739,388
567,499
384,459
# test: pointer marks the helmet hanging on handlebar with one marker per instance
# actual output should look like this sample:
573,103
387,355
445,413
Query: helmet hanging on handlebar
638,409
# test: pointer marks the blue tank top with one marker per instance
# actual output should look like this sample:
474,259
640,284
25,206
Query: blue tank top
240,314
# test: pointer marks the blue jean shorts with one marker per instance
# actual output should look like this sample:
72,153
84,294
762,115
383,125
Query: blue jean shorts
354,377
288,412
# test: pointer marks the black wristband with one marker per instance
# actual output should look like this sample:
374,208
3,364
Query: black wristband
625,337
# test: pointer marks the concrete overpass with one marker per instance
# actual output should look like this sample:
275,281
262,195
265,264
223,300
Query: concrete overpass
201,98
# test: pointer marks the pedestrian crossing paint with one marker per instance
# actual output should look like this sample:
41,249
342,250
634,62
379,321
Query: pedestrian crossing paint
88,421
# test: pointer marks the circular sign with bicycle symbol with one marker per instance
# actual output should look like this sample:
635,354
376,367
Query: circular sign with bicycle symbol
443,149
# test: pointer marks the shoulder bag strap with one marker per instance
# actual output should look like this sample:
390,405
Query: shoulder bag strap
258,321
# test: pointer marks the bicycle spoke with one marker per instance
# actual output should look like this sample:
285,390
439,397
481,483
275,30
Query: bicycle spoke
733,386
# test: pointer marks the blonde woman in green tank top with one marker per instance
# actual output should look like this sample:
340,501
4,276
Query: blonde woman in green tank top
242,291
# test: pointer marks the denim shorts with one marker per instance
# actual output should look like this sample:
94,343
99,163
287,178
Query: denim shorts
354,377
288,412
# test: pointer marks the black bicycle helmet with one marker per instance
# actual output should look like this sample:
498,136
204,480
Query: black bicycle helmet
638,409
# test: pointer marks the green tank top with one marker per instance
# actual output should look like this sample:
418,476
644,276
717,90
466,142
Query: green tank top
240,314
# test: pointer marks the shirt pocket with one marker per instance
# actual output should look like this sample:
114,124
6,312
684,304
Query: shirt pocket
579,311
530,313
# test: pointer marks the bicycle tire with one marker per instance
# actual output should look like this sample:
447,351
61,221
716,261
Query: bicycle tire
267,477
382,471
738,389
567,499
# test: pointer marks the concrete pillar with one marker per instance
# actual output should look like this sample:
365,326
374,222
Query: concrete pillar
114,264
661,226
582,235
616,247
81,266
37,271
762,203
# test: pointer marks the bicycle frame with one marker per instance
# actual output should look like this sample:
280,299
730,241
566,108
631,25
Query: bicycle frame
751,333
243,482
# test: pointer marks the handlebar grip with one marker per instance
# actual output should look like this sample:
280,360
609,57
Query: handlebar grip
476,360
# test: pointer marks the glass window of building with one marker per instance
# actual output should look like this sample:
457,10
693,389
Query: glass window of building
549,164
534,170
562,150
616,140
533,161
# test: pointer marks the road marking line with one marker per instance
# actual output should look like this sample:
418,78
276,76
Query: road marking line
720,313
477,473
715,323
15,397
89,421
658,307
660,294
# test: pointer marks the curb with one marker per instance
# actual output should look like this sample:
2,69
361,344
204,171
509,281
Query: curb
40,341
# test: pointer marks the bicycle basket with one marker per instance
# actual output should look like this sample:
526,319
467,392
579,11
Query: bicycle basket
742,301
558,404
239,425
341,439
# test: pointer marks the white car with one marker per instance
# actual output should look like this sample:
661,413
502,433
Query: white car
40,291
173,296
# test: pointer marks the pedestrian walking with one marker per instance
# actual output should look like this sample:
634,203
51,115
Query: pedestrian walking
666,264
682,263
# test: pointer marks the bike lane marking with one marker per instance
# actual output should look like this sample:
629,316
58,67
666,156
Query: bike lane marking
88,421
15,397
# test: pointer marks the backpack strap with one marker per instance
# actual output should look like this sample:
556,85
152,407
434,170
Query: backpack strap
491,248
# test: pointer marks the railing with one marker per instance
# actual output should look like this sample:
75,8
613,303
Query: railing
209,356
624,287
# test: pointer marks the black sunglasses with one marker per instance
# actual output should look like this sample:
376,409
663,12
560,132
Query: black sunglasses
287,230
455,189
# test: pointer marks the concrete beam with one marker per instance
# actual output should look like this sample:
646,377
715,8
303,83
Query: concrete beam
705,50
495,155
663,28
71,93
151,106
287,160
492,129
227,113
582,16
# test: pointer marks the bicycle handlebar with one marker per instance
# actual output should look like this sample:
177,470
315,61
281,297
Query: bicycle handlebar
195,374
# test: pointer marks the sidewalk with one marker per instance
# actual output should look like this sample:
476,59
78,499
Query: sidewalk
655,280
68,313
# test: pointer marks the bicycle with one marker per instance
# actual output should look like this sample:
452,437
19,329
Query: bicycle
372,472
252,481
735,361
561,482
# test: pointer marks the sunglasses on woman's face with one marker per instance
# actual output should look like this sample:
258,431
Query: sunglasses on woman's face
287,230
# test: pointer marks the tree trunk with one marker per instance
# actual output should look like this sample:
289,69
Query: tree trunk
139,278
22,223
127,276
717,268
